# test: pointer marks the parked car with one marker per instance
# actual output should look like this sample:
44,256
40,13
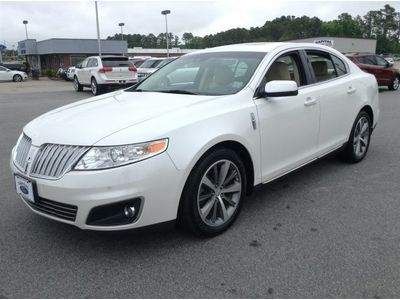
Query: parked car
71,73
139,60
62,72
384,72
174,147
151,65
105,72
10,75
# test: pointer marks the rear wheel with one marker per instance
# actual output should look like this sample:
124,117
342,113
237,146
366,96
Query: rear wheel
357,146
95,87
395,84
78,87
213,193
17,78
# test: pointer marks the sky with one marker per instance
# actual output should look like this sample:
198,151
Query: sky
76,19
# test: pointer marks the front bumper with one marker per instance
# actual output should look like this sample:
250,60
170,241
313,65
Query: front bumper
156,181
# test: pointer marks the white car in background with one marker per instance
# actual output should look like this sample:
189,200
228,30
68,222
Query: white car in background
71,73
151,65
105,72
192,147
10,75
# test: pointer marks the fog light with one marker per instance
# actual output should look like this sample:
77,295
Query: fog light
129,211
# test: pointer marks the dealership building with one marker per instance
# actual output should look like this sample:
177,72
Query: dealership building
343,45
51,53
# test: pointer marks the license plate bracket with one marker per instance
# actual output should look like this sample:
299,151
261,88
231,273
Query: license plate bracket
25,188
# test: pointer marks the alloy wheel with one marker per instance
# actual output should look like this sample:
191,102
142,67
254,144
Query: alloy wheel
361,137
396,83
219,193
94,87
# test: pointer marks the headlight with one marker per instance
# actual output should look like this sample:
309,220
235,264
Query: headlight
108,157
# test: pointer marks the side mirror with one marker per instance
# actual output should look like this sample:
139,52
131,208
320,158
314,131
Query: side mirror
389,65
78,66
281,88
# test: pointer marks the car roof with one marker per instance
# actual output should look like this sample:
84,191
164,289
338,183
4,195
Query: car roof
263,47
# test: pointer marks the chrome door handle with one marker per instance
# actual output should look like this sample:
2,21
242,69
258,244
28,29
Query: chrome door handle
310,101
351,90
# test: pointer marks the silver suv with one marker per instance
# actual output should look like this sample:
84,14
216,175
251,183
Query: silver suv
104,72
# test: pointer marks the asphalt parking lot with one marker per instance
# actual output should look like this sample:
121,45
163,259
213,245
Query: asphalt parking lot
327,230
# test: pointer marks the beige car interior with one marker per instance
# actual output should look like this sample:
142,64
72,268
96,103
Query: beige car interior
280,71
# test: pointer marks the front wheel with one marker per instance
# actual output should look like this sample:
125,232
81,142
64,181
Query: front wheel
395,84
17,78
95,87
357,146
213,193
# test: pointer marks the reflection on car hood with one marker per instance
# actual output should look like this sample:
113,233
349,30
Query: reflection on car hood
88,121
147,70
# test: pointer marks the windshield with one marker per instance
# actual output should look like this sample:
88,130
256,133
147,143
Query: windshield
218,73
151,63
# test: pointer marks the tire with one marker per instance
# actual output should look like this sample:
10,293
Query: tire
17,78
96,90
358,144
78,87
395,84
208,206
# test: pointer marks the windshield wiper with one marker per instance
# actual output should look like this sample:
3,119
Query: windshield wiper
178,92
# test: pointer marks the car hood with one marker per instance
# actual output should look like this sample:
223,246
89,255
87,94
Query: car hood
88,121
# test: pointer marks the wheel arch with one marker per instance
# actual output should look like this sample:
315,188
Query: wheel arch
369,111
243,153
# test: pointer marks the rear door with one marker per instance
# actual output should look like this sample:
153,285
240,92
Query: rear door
336,92
122,68
92,66
4,74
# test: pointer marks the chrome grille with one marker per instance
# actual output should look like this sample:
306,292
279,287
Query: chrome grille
22,151
52,160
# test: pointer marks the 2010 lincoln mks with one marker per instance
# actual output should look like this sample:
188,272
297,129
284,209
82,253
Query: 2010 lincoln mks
192,140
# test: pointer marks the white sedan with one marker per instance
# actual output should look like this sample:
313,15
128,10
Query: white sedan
10,75
192,147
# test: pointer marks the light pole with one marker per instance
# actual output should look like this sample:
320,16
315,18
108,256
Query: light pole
98,28
165,13
26,30
122,34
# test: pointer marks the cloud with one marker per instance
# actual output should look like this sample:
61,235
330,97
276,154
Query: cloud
76,19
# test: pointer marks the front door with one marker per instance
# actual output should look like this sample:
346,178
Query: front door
288,125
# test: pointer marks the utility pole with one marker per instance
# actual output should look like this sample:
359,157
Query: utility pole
122,34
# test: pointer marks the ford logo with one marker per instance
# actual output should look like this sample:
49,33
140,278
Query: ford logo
24,189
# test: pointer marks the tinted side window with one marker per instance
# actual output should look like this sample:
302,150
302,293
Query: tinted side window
367,60
339,66
381,61
287,67
92,63
322,66
2,69
116,62
84,63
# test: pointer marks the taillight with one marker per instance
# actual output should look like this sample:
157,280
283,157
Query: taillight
132,69
105,70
